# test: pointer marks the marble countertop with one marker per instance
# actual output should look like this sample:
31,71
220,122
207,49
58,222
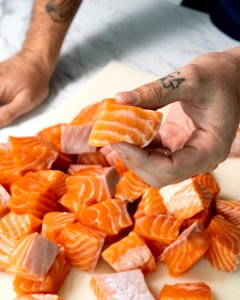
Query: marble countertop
151,35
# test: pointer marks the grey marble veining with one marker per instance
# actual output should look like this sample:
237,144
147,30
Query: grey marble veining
151,35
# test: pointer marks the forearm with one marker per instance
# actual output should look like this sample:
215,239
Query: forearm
49,24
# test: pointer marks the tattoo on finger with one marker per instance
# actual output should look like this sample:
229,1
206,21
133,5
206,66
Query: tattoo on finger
62,10
172,80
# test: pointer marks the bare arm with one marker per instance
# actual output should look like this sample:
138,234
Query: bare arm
25,77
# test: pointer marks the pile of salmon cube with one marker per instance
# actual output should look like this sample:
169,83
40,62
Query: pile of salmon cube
67,199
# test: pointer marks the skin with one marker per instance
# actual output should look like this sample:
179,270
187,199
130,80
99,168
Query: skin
204,97
202,122
25,77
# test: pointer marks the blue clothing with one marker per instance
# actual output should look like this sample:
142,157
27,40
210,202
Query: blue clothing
225,14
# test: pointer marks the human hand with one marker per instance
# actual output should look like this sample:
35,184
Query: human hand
24,85
202,122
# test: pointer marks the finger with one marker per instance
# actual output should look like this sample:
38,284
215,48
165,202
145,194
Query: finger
14,109
176,86
158,169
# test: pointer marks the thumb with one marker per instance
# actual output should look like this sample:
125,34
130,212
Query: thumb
176,86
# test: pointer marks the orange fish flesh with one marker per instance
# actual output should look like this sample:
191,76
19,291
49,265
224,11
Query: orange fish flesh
130,187
56,180
78,169
50,284
16,225
88,114
118,123
7,246
52,135
186,291
31,153
129,285
186,250
224,250
94,158
8,172
230,210
186,198
109,216
83,245
160,228
31,195
4,200
130,253
208,181
150,203
54,222
32,257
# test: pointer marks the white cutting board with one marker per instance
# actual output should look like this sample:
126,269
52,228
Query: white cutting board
113,78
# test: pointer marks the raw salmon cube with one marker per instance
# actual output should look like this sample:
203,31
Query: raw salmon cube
130,187
31,153
83,245
50,284
230,210
56,180
186,198
129,285
31,195
208,181
54,222
95,158
8,172
4,200
52,135
78,169
7,246
130,253
186,291
224,250
17,226
188,248
151,203
33,256
88,114
109,216
117,123
74,139
160,228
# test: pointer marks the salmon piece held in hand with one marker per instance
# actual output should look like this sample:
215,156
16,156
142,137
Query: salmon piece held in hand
17,226
186,250
186,291
186,198
130,187
50,284
109,216
224,250
230,210
123,123
160,228
130,253
83,245
129,285
32,154
33,256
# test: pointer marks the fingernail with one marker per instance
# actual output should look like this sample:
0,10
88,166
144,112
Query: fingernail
131,97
